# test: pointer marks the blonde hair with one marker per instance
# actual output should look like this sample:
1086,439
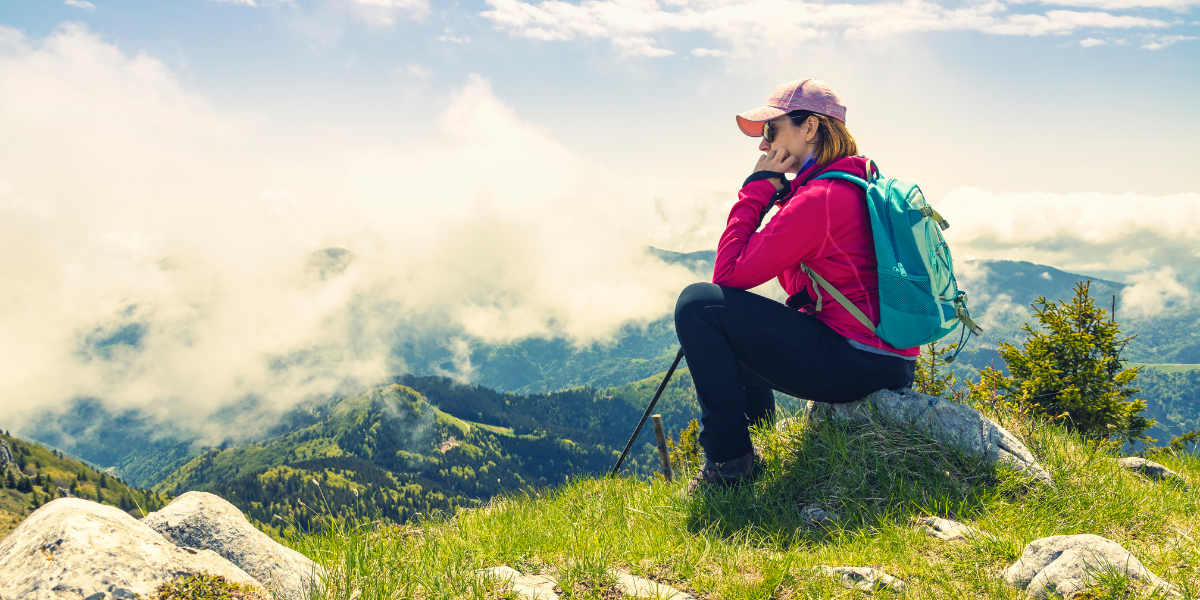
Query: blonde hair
833,139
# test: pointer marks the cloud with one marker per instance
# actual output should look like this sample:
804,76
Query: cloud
449,36
705,52
158,252
1081,231
80,4
740,23
415,71
1153,292
1173,5
640,46
1090,42
1166,40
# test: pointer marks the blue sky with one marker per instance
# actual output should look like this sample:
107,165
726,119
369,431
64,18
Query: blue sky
498,167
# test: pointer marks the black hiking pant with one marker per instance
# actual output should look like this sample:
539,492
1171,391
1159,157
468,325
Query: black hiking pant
740,346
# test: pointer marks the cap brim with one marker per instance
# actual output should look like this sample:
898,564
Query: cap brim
750,122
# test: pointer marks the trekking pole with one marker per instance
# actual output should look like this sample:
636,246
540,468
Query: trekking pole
649,409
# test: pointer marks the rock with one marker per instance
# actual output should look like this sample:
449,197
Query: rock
817,517
945,421
1064,564
640,587
946,529
1149,468
75,548
63,492
5,455
530,587
863,578
206,521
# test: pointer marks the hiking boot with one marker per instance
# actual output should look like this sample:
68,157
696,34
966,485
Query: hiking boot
731,472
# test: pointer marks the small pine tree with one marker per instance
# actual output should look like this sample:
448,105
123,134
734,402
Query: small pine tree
21,462
685,455
927,379
103,480
25,485
1071,366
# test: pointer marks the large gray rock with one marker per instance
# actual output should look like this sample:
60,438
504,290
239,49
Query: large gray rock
948,422
1149,468
203,520
1067,564
79,549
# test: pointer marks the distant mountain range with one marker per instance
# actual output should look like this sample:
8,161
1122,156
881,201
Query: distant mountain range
149,453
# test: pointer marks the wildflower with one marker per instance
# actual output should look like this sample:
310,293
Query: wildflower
277,517
355,492
314,480
300,502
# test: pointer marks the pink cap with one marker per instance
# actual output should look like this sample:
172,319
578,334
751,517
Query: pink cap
802,94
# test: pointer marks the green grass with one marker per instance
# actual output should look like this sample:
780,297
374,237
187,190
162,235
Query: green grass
1167,368
752,543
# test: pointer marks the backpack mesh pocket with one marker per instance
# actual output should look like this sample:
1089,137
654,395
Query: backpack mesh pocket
910,296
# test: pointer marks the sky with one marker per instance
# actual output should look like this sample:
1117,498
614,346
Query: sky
498,167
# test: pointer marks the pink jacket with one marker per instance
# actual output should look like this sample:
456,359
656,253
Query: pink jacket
824,224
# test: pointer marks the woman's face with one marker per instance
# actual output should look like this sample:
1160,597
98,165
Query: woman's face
797,138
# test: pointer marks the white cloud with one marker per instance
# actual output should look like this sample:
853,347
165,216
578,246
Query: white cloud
1174,5
130,203
1090,42
414,71
741,22
84,4
705,52
640,46
1081,232
449,36
1153,292
1166,40
1046,275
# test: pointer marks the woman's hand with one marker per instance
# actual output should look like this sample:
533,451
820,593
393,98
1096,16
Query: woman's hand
777,160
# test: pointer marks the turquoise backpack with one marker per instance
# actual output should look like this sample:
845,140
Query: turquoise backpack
918,297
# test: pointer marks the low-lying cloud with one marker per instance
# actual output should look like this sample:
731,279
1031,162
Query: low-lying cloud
157,251
1081,232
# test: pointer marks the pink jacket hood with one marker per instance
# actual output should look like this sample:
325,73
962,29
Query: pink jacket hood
823,223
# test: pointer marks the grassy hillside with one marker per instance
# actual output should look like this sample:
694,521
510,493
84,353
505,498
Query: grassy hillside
38,472
754,543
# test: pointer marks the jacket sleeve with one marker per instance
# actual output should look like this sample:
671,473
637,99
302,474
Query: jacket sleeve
798,232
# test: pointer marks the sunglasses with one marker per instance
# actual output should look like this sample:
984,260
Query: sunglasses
768,132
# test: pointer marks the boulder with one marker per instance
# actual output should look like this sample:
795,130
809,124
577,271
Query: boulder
1066,565
863,578
1149,468
206,521
946,530
948,422
75,548
529,587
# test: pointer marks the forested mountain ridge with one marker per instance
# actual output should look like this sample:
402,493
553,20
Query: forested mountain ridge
32,475
393,451
145,451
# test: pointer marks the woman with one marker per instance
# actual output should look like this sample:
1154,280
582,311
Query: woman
740,346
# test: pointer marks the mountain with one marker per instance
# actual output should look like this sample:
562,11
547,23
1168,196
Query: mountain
32,474
145,451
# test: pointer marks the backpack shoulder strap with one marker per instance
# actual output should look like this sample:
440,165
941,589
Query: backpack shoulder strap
840,297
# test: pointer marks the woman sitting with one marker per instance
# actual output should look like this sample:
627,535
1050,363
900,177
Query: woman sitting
741,346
